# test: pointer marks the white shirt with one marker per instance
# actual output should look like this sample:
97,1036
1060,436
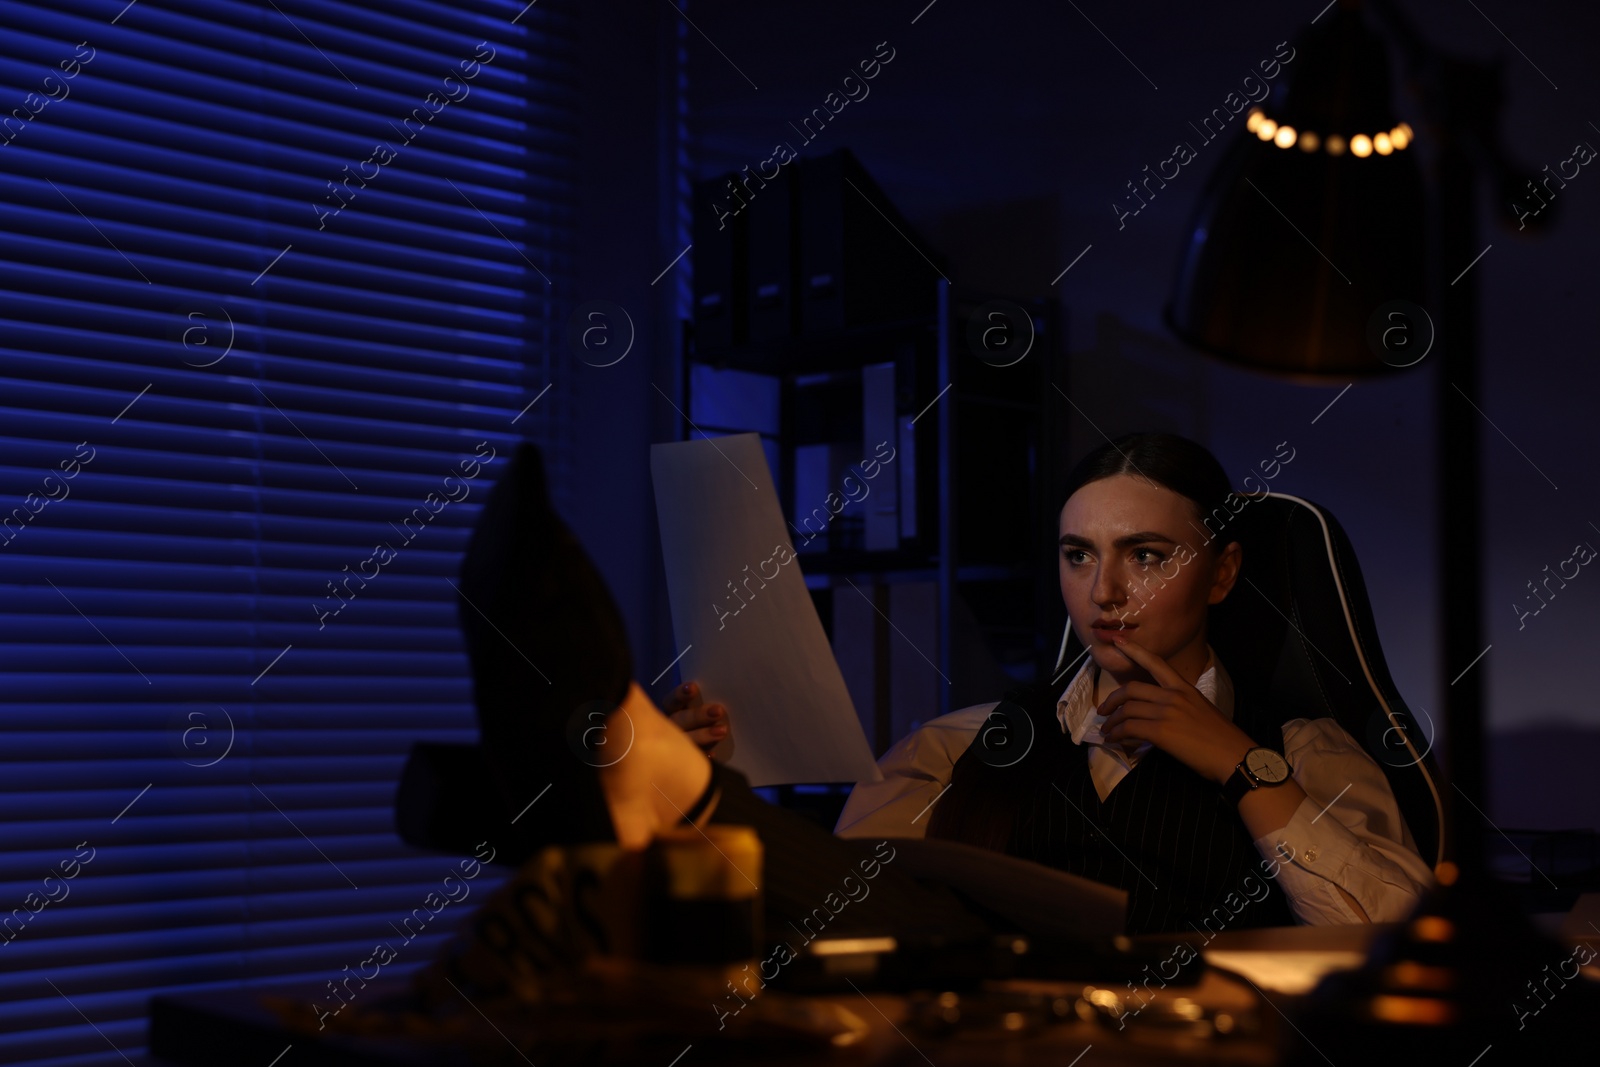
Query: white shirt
1347,833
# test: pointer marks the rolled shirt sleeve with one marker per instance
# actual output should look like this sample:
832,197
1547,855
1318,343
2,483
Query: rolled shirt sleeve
916,770
1348,833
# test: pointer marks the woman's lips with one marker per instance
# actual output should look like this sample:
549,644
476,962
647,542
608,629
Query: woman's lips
1104,632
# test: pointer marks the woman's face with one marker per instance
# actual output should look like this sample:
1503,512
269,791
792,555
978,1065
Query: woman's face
1133,556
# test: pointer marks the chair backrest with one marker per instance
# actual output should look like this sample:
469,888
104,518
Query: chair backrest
1297,637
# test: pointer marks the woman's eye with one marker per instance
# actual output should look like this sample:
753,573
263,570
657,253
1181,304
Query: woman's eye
1071,554
1155,557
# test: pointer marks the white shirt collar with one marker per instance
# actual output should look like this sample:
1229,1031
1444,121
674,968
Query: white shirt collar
1075,708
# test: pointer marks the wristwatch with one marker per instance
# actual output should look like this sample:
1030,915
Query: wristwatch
1260,767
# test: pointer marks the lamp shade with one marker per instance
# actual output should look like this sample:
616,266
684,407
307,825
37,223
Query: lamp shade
1313,220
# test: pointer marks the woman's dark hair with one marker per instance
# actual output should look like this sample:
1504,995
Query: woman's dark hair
1186,467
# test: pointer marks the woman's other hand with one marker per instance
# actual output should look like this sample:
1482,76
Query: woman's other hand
706,724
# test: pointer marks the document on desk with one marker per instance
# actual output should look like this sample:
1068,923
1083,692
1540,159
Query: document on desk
1040,900
745,624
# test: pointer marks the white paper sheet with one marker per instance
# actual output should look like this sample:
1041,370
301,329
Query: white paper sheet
741,608
1289,972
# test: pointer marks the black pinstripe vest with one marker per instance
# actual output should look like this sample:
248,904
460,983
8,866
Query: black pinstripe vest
1165,834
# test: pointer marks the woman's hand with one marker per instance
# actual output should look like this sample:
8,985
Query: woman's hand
706,724
1174,716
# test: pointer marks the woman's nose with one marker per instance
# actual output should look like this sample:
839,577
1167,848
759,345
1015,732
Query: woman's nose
1107,589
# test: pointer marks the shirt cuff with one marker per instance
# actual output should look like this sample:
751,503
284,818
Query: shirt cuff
1309,856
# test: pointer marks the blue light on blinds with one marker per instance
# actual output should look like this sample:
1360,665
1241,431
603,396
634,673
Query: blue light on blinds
276,281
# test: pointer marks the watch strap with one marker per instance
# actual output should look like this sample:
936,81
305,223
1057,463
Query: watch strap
1238,784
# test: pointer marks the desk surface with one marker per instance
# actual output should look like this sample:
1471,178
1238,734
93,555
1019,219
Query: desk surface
228,1028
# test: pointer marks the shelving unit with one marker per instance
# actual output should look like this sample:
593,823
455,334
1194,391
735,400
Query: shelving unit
825,323
981,446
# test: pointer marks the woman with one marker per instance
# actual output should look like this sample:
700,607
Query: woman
1139,772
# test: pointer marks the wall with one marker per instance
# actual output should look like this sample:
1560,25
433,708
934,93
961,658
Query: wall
628,232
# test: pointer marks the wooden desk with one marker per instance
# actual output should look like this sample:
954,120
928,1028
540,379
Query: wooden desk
229,1028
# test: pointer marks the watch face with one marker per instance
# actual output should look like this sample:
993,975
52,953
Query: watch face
1267,765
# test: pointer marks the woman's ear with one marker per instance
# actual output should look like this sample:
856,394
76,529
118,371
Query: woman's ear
1225,572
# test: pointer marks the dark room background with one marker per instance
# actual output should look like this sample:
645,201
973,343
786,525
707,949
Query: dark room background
270,369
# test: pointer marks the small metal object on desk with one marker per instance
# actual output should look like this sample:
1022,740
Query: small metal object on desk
1003,1013
987,1013
1170,1013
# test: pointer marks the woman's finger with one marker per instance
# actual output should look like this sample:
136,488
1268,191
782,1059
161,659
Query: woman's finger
686,696
701,716
1132,730
1145,691
709,736
692,719
1158,668
1133,709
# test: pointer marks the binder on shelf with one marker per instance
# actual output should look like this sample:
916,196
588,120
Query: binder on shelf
880,509
826,517
720,270
770,285
906,456
860,262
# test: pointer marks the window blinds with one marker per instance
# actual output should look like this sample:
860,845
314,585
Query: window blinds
276,281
